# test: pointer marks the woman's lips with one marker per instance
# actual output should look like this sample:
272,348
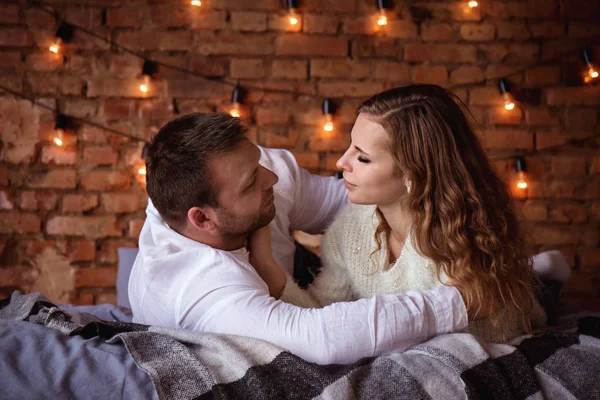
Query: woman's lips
349,185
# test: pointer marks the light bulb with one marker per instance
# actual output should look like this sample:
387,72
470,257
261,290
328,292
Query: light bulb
591,73
144,87
142,170
293,17
509,104
473,4
196,3
59,135
328,126
521,180
55,47
382,21
235,111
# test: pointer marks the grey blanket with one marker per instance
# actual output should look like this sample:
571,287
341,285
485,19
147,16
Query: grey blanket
562,364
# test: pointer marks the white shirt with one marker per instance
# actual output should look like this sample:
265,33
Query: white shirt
181,283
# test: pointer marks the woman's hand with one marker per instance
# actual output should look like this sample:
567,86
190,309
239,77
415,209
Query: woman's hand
261,258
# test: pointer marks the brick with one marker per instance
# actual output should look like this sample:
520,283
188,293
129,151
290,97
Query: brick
311,46
3,175
79,202
7,201
115,110
78,250
250,68
538,117
536,211
96,135
485,95
501,116
210,20
9,14
543,75
437,75
10,60
121,88
459,11
169,16
19,133
368,47
523,9
91,227
199,88
278,137
331,160
440,52
32,201
124,17
124,66
588,96
580,9
581,119
327,68
591,191
55,178
15,222
80,108
290,69
109,253
466,74
272,115
44,62
59,155
119,203
554,235
38,19
583,30
323,141
176,40
545,140
100,155
81,299
328,6
349,88
512,30
393,72
313,23
477,32
307,160
248,21
95,277
522,53
17,275
106,180
507,139
569,213
134,227
590,260
210,66
236,44
433,32
401,29
548,29
277,22
15,37
109,297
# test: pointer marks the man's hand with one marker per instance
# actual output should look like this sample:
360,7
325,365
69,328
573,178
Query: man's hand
261,258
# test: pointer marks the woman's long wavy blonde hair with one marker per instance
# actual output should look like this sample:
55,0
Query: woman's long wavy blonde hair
463,216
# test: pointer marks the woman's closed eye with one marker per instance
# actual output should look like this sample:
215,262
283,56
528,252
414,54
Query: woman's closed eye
363,160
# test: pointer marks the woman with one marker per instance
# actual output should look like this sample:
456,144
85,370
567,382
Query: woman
427,210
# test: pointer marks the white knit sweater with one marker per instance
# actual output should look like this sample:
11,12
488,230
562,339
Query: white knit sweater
352,270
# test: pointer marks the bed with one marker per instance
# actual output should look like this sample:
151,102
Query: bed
51,352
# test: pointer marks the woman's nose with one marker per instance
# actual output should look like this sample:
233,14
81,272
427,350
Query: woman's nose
342,163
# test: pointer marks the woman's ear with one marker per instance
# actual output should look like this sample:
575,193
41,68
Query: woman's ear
408,184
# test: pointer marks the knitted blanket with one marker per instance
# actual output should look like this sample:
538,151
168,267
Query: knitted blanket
561,364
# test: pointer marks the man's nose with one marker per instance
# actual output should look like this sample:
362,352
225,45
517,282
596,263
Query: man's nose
269,178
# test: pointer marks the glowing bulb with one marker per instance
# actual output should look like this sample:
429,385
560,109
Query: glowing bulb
235,111
509,104
142,170
55,47
328,126
591,73
59,135
293,17
521,180
473,4
382,21
144,87
196,3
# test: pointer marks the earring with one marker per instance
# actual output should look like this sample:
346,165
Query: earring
408,189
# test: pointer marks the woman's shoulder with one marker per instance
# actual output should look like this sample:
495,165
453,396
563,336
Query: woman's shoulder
354,216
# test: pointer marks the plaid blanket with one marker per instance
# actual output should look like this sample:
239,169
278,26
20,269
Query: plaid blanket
561,364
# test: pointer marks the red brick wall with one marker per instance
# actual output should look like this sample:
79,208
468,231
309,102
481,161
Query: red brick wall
65,211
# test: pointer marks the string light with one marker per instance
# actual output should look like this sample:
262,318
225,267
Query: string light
590,74
64,33
196,3
521,168
473,4
148,69
382,5
293,16
62,121
236,99
328,113
509,103
141,167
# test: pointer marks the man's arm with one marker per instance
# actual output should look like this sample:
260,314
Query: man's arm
339,333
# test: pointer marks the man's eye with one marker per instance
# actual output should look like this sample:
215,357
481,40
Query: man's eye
363,160
251,185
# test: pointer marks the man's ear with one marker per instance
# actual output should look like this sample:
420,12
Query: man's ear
202,218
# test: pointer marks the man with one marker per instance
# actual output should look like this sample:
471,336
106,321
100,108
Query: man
209,188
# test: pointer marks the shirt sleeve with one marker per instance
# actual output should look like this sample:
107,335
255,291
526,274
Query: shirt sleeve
339,333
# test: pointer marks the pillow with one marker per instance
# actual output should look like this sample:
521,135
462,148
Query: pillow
126,258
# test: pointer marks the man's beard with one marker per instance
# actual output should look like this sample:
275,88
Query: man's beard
235,225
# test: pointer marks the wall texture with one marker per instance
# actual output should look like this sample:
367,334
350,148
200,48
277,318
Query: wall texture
64,211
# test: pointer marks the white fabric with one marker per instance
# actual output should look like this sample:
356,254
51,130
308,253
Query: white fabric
177,282
352,269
